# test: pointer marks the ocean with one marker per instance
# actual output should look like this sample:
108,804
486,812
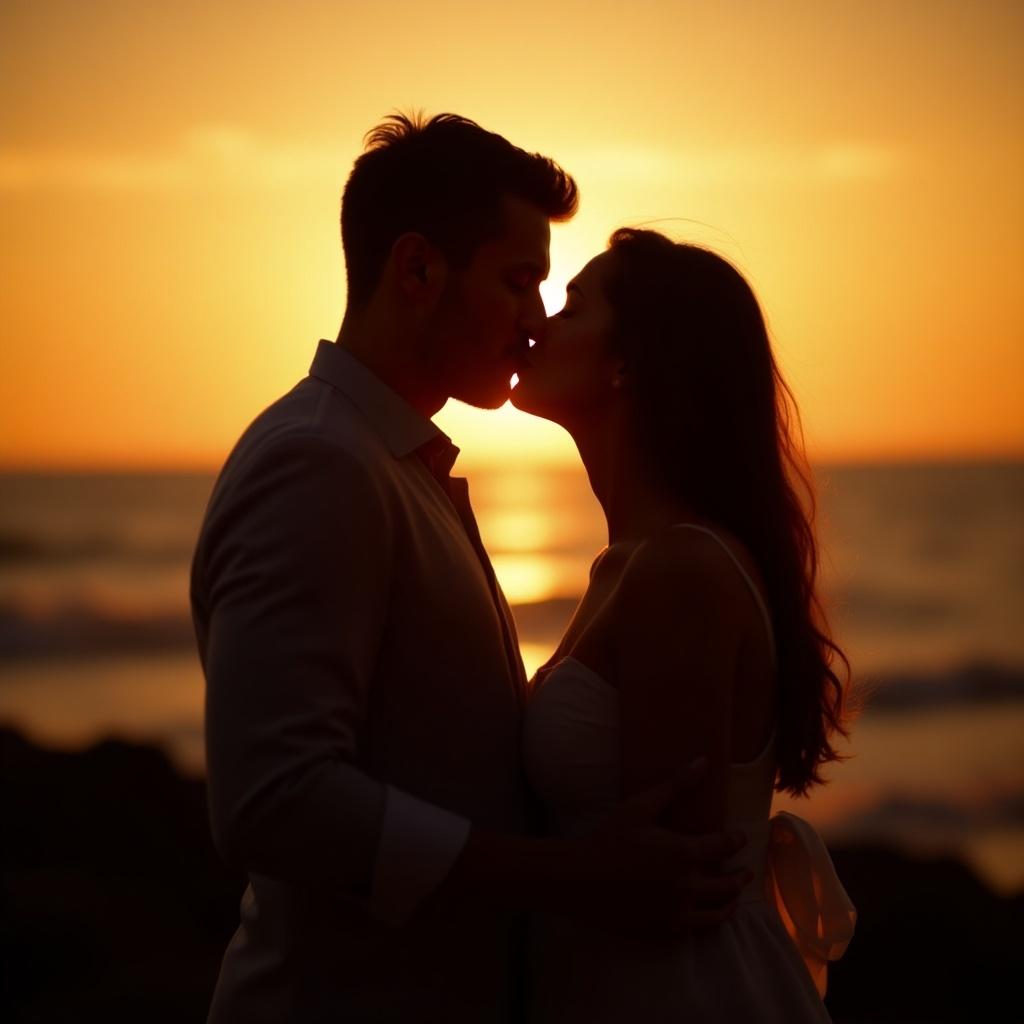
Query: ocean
922,572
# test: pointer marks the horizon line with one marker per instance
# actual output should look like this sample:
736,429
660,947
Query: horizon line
206,468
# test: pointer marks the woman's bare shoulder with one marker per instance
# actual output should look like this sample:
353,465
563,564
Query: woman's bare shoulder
684,564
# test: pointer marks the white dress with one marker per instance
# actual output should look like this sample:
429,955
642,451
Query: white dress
766,963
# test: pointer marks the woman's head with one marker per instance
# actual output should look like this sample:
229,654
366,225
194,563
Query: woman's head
671,329
670,339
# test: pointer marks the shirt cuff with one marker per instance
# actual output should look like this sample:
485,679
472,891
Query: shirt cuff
419,843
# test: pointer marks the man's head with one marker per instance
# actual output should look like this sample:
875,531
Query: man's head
451,221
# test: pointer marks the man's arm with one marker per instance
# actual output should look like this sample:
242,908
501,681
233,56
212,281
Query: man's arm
295,569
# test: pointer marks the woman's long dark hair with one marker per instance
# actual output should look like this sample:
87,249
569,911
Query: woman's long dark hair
723,428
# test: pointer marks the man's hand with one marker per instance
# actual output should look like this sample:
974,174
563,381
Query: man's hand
633,876
639,878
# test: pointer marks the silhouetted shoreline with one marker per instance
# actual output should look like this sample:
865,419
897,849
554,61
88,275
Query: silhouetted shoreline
117,907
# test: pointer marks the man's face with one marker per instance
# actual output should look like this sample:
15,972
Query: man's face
491,309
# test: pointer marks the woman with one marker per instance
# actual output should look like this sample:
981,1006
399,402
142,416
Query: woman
700,634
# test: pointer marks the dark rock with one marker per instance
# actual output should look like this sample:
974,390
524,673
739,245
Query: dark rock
117,908
933,943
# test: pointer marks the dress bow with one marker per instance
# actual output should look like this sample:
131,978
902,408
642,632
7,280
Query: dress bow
802,884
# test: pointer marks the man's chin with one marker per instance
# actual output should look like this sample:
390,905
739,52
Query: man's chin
485,398
534,402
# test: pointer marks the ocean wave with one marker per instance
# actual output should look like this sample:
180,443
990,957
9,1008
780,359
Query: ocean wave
899,814
80,629
544,622
24,550
969,683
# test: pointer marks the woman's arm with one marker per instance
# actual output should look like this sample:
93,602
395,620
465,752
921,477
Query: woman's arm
675,634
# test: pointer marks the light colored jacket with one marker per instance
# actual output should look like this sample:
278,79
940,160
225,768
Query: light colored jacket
363,707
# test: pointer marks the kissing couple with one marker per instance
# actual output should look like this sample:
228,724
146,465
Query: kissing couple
427,835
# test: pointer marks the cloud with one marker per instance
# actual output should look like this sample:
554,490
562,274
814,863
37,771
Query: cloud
206,156
836,162
229,156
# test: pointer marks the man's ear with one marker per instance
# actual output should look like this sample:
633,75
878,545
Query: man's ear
419,268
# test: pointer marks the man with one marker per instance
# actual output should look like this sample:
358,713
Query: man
364,687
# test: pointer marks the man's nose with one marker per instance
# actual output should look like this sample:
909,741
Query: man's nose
539,330
535,318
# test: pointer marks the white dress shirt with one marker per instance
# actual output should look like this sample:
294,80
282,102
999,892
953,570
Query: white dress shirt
363,708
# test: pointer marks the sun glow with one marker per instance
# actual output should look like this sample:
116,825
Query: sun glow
169,266
525,578
519,530
534,655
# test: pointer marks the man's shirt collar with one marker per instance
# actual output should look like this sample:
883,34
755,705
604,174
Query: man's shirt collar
401,427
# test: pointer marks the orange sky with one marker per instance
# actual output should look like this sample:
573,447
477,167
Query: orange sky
170,175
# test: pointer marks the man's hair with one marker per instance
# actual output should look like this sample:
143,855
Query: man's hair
445,178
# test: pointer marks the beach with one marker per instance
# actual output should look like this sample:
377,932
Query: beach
101,695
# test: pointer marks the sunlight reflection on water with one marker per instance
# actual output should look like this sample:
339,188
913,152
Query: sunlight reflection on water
526,578
520,530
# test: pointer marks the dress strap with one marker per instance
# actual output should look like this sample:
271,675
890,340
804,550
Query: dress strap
743,572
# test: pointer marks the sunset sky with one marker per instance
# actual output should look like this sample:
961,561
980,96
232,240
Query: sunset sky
170,177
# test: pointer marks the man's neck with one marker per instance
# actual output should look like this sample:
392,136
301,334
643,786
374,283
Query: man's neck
389,357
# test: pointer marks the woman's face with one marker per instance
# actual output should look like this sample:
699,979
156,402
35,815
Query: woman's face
570,369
